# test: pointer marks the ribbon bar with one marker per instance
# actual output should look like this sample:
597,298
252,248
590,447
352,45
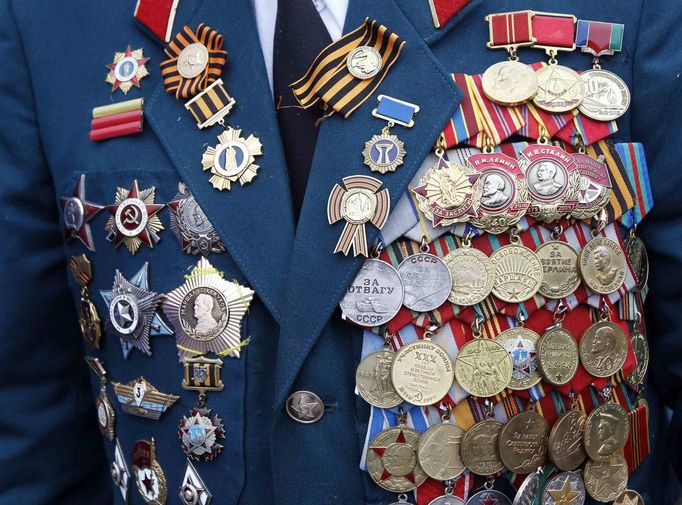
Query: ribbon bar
599,38
396,111
554,32
211,105
510,29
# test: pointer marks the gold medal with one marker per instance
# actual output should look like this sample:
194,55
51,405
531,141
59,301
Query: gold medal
439,451
472,275
480,448
560,89
603,265
106,415
566,441
640,346
392,460
606,431
603,349
232,159
606,480
523,442
483,367
373,380
518,272
520,343
560,274
629,497
558,356
88,317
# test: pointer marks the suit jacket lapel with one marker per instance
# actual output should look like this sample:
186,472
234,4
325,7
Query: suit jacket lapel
255,221
318,278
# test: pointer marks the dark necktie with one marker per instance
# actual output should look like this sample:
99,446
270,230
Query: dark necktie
299,35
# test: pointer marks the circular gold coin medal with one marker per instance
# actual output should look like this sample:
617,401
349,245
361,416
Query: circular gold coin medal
560,89
603,265
557,356
392,460
523,442
472,275
566,441
606,431
520,344
553,181
606,480
629,497
510,83
483,367
480,448
439,451
603,349
595,186
504,192
560,273
422,372
518,273
373,379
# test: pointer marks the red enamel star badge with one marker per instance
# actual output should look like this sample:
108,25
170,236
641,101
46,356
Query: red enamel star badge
127,69
77,212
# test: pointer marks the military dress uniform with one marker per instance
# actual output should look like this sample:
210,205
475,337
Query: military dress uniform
54,56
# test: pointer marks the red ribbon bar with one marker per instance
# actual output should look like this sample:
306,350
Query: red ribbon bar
510,29
157,16
443,11
116,119
120,130
554,31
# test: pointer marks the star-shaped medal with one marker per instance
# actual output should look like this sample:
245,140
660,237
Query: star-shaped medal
133,315
127,69
232,159
133,219
199,434
77,213
565,495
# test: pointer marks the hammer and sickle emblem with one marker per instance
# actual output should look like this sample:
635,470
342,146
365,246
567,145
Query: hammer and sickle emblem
132,216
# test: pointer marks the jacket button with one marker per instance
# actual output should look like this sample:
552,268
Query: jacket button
305,407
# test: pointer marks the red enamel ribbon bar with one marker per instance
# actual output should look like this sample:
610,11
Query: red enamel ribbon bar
554,31
119,130
157,16
510,29
443,11
116,119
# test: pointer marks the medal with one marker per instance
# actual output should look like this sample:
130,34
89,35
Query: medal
127,69
518,271
553,181
78,212
565,488
199,432
392,459
635,250
606,431
560,274
447,499
472,273
607,97
385,152
422,372
480,448
207,312
640,346
120,473
133,315
190,225
523,442
134,219
426,279
357,202
149,476
510,82
106,416
603,349
193,491
603,265
232,159
566,448
140,398
373,380
438,452
483,367
487,497
606,480
364,62
629,497
529,489
560,88
520,344
88,317
375,296
595,185
504,197
557,356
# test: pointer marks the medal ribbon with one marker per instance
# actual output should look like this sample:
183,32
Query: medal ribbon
634,161
328,78
599,38
554,31
443,11
183,87
510,29
465,123
585,129
157,16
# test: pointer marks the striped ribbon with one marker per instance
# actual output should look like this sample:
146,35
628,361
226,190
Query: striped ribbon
328,78
183,87
631,306
634,161
583,129
465,123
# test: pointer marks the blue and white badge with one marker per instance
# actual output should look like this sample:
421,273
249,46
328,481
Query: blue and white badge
385,152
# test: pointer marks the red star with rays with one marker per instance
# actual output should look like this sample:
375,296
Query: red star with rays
132,218
134,80
77,212
380,451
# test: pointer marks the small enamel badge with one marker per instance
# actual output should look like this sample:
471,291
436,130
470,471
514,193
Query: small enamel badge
149,476
141,399
232,159
88,317
133,220
120,473
207,312
193,491
127,69
77,213
190,225
133,316
106,416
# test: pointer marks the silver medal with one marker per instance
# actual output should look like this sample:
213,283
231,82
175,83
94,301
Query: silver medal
427,281
528,490
190,225
607,97
564,488
487,497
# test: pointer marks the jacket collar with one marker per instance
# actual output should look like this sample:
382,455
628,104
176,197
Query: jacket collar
421,18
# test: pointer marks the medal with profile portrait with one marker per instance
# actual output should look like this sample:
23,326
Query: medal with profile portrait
606,431
207,311
603,265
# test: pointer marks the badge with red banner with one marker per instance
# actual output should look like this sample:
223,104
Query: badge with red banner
149,476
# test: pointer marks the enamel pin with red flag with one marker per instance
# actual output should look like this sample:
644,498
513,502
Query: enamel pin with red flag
149,476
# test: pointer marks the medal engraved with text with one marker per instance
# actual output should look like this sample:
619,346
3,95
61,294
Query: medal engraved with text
566,488
373,380
523,442
472,275
520,344
392,460
518,273
439,451
595,186
375,295
635,250
606,431
566,441
560,274
480,448
558,356
607,97
560,89
605,480
510,83
603,265
603,349
422,373
427,282
483,367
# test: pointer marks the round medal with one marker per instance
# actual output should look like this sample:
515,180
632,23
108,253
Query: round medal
74,214
560,274
523,442
447,499
606,480
489,496
427,282
384,153
528,490
603,265
640,346
557,356
510,83
373,379
364,62
566,488
439,451
595,186
192,60
422,373
607,97
606,431
566,441
603,349
560,89
392,460
483,367
635,250
472,275
375,296
126,69
480,448
520,344
629,497
518,273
